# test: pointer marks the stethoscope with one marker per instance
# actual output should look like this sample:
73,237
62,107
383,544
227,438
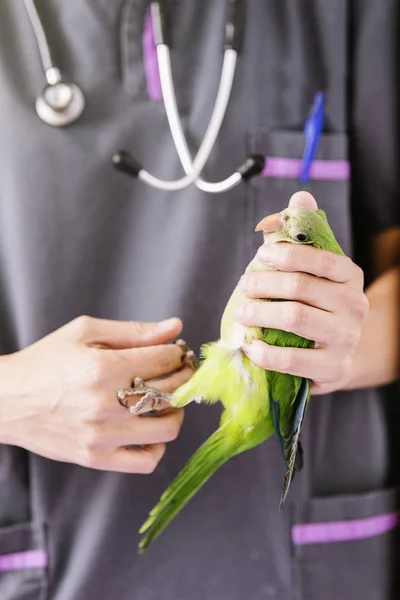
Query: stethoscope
254,164
62,103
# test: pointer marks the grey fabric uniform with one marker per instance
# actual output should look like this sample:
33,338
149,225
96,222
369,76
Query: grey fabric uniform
78,238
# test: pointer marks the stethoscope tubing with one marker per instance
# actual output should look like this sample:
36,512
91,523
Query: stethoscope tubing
67,103
193,167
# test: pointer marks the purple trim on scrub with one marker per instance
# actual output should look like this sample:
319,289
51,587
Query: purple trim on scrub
33,559
290,168
150,60
344,531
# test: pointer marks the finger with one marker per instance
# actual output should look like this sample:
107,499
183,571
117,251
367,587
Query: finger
138,460
307,259
124,334
318,390
316,365
318,292
152,361
293,317
173,382
144,429
303,199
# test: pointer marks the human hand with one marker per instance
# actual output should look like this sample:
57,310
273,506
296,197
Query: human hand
58,396
326,304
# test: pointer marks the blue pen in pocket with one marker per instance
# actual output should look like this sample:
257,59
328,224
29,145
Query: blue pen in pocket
312,131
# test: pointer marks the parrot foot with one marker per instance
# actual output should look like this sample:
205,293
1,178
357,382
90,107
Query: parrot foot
189,357
150,395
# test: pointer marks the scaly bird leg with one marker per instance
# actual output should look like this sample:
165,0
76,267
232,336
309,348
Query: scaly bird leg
149,395
189,357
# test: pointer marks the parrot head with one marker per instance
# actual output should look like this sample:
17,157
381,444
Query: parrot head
298,225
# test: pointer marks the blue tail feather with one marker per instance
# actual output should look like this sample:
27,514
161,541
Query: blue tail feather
295,459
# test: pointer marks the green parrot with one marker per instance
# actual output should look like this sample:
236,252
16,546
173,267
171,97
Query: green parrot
257,403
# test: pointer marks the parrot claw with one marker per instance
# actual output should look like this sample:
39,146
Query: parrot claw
189,357
150,395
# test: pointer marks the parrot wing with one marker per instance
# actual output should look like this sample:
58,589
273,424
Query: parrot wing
289,440
289,397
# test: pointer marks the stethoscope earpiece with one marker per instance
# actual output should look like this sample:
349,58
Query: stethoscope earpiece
124,162
254,165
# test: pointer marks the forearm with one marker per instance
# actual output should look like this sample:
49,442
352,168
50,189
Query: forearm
7,402
376,360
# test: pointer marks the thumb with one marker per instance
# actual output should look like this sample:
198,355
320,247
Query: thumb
304,199
121,335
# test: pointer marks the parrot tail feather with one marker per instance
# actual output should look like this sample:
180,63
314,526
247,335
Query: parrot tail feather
283,445
276,416
295,457
215,451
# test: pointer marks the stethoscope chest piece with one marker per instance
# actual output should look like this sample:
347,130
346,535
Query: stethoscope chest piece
60,104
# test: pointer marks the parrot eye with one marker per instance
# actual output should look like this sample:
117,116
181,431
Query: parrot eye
301,236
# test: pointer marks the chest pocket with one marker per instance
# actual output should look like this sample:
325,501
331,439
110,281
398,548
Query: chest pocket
23,562
329,180
347,547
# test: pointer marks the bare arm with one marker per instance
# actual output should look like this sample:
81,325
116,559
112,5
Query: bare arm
376,360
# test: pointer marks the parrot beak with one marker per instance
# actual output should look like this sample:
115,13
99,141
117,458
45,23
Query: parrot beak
271,224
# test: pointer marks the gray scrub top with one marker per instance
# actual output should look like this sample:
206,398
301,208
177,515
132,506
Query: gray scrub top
76,237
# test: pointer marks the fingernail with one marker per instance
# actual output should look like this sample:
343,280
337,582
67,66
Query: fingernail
167,323
267,253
